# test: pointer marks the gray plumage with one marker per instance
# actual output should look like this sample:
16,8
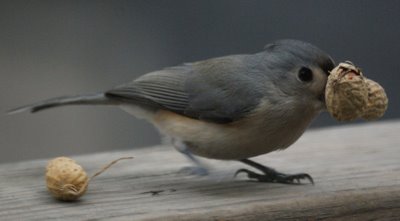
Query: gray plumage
220,90
231,107
93,99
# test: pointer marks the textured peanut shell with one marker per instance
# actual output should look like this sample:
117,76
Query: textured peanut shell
346,93
377,101
65,179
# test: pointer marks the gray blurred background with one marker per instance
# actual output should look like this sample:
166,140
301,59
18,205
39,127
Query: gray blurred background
52,48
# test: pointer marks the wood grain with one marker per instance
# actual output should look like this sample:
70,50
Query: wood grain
356,169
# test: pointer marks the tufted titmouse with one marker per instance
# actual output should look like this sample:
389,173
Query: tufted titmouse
229,108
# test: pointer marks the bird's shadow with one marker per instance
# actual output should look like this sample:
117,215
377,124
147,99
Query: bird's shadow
227,186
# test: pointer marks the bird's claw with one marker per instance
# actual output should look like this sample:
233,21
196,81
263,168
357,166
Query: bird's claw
276,177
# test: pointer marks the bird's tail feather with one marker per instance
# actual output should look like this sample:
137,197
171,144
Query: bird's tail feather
93,99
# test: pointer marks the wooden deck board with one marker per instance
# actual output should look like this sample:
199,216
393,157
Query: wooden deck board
356,170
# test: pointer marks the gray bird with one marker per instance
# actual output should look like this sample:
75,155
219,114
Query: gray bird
229,108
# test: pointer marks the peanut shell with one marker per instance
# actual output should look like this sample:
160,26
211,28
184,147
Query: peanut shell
377,101
346,93
65,179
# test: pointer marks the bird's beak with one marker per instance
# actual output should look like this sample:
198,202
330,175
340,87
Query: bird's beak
322,99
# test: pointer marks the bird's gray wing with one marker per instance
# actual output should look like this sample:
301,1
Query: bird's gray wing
214,90
160,89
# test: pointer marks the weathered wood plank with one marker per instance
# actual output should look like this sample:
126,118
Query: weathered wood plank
356,170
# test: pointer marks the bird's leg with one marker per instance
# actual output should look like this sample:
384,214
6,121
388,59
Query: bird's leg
198,169
272,176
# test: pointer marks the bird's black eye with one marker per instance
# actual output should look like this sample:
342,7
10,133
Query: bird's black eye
305,74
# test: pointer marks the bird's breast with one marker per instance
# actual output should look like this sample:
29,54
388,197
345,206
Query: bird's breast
249,137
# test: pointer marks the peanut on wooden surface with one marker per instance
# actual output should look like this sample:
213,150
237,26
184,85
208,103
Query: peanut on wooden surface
66,180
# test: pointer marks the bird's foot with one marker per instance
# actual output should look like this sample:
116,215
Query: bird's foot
194,170
272,176
199,169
